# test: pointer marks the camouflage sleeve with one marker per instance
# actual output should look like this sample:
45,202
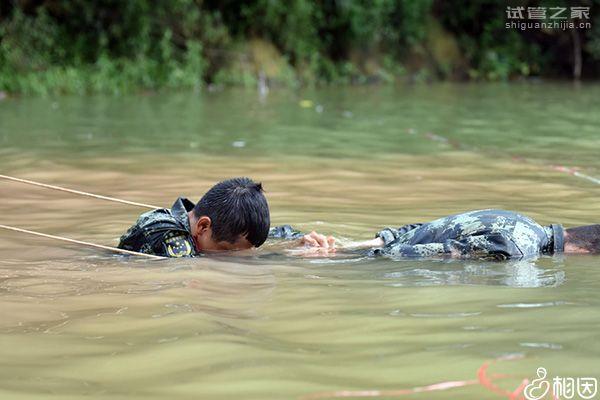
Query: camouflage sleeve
389,235
284,232
170,243
491,246
413,251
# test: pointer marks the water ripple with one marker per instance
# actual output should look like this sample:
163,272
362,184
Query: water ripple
535,305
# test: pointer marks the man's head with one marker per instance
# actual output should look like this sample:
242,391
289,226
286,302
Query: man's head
583,239
232,215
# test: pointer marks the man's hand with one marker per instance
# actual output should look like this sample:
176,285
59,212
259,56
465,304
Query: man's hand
317,240
315,245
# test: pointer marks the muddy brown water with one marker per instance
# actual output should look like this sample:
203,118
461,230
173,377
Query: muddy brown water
76,322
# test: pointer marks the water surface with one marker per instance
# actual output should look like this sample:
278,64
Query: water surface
271,326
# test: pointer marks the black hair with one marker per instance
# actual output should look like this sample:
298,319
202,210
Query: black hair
237,207
586,237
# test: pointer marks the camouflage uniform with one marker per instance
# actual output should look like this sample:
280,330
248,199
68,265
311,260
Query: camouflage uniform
162,232
489,234
484,234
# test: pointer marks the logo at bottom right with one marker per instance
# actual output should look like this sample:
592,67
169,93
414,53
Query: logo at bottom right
561,387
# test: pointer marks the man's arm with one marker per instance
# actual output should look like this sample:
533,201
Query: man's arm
382,238
389,235
173,244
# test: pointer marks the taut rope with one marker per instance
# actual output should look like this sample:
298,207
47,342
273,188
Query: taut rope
64,239
78,192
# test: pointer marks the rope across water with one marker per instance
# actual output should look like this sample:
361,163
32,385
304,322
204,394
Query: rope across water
80,193
80,242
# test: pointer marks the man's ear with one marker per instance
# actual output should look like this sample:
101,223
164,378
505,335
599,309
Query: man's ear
203,224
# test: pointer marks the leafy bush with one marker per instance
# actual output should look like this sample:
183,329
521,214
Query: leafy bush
79,46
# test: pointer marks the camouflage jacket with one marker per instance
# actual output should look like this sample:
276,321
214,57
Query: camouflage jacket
489,234
162,232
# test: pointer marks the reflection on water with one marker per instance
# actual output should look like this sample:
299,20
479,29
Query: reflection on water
522,273
270,326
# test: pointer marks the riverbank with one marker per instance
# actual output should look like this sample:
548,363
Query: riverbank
55,47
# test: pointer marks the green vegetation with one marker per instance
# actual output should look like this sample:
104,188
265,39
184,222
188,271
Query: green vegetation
79,46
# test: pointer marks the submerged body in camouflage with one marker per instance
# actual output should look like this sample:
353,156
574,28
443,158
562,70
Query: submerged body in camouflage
482,234
485,234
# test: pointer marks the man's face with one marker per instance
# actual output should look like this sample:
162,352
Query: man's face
204,241
206,244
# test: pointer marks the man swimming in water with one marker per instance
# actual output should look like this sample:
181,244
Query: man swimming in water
234,215
484,234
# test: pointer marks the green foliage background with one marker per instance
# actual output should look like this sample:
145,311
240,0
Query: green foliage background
79,46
